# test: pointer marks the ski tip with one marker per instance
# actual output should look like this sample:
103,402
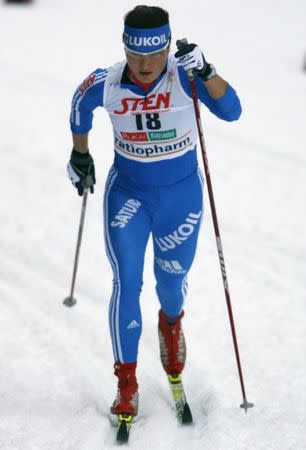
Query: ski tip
187,416
69,302
124,425
122,433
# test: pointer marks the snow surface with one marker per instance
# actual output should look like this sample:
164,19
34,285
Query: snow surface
56,379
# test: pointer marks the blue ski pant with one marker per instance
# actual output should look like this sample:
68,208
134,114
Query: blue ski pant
173,215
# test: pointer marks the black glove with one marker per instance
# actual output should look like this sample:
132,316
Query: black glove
81,171
191,58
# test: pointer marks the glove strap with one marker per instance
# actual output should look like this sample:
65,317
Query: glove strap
79,158
208,73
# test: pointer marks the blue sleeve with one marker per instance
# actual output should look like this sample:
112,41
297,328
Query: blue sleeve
227,107
87,97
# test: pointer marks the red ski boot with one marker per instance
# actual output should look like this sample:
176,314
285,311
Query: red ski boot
172,343
126,401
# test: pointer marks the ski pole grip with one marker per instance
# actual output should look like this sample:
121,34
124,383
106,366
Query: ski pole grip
181,43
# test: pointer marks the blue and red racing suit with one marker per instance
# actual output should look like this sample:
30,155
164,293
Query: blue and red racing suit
154,186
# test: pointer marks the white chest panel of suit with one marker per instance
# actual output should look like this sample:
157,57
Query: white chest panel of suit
155,127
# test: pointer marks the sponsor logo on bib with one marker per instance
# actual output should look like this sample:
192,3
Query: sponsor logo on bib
150,136
153,150
162,135
136,136
152,102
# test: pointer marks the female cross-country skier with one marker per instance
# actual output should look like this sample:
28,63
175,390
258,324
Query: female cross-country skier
154,185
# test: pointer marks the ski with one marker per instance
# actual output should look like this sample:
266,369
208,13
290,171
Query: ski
123,428
183,411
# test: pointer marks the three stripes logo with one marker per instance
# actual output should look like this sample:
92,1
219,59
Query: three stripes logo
170,266
133,324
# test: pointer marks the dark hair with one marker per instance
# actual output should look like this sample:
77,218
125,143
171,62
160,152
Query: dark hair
143,16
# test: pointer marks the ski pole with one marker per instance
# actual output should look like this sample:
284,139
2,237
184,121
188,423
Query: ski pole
180,44
71,301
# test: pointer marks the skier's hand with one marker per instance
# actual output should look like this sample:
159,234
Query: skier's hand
192,58
81,171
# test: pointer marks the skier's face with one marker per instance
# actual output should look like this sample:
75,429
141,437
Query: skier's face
147,68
